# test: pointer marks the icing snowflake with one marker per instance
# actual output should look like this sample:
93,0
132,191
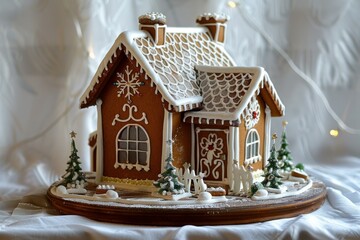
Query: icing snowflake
253,115
128,84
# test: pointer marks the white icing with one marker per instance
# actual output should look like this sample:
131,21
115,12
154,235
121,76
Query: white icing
132,109
204,196
128,83
235,108
252,114
153,16
243,179
232,142
279,190
287,193
112,194
109,187
216,189
193,146
252,147
190,179
216,16
210,152
165,65
165,136
99,143
261,193
61,190
296,179
173,197
76,190
267,135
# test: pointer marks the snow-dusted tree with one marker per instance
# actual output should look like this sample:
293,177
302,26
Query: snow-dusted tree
168,182
272,177
74,177
284,154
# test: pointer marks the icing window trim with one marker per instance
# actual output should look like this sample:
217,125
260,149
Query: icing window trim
135,143
252,147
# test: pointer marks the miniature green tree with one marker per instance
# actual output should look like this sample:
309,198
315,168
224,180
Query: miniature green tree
272,177
284,154
74,176
168,182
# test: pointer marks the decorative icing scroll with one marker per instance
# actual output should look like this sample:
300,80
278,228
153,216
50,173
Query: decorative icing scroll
211,152
132,109
252,114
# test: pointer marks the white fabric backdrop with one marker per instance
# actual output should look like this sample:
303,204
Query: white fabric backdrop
50,49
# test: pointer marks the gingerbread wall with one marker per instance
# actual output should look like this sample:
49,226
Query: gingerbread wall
181,135
260,127
147,103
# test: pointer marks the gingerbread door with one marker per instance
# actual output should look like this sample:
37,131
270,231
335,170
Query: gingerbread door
212,153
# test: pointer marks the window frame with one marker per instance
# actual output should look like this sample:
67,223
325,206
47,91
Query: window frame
127,150
252,147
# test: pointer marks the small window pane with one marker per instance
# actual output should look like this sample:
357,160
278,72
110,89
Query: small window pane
122,145
142,158
252,145
142,146
142,135
255,136
132,135
132,157
123,134
122,157
132,146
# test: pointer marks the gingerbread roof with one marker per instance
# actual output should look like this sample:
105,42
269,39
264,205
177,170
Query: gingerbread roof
169,67
230,92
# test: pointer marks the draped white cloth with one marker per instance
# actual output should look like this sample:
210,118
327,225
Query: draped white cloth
49,51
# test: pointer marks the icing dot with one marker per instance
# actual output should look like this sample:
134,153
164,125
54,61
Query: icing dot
204,196
61,190
261,193
111,194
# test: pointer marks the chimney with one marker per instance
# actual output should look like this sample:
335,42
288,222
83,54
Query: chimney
216,23
155,24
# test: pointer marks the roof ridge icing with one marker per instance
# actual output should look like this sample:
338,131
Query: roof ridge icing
196,47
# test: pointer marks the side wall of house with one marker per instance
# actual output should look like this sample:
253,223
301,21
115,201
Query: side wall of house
181,133
132,122
260,128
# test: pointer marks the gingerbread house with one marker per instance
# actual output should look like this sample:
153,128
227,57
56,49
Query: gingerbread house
163,90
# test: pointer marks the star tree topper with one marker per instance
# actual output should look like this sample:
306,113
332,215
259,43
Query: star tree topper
73,134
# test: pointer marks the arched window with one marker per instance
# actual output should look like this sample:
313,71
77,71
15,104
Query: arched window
133,148
252,151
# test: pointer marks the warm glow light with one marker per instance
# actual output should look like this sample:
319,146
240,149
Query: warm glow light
334,132
232,4
91,53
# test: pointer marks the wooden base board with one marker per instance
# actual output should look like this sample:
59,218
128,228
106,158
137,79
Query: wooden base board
233,211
